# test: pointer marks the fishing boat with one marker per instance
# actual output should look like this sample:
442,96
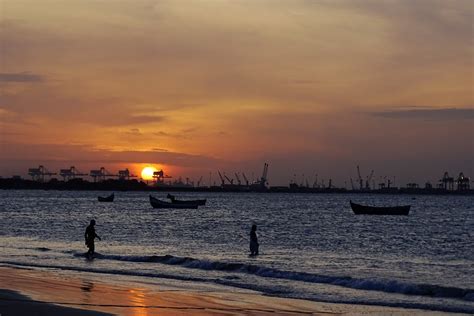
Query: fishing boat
192,202
109,198
156,203
376,210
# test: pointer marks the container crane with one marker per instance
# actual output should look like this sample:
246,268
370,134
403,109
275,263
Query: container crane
71,173
39,174
447,182
100,174
160,176
463,182
125,175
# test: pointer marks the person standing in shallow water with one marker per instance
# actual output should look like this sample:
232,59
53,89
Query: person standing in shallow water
253,241
89,236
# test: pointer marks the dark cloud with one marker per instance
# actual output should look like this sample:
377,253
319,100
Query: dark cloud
165,134
123,119
53,155
20,77
429,114
134,132
144,119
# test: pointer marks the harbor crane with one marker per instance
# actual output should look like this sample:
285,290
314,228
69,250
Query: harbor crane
125,175
302,180
39,174
100,174
447,182
160,176
238,178
199,182
262,183
315,184
71,173
222,178
367,181
361,182
463,182
245,178
231,181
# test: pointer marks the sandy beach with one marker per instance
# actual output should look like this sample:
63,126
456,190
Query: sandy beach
35,292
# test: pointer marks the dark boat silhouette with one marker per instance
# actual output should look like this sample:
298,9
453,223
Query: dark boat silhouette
156,203
376,210
109,198
191,202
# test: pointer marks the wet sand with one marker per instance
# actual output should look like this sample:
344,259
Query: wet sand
39,292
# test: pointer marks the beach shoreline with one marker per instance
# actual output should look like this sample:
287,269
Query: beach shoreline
61,294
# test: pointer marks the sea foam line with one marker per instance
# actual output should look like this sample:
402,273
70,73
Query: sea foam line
381,285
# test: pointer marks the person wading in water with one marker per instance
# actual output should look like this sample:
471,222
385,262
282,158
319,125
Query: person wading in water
253,241
89,236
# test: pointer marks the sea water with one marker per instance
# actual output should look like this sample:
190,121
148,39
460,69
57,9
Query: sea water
312,246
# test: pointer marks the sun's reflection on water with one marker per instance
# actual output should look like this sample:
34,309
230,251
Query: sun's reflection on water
138,299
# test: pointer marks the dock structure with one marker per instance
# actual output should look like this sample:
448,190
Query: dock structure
446,185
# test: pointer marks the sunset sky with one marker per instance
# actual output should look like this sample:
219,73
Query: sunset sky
196,86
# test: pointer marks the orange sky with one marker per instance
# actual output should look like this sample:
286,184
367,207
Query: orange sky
196,86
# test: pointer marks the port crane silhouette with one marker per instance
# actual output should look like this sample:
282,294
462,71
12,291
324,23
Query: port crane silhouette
39,174
71,173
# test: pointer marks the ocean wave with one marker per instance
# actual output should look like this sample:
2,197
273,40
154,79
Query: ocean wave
382,285
273,290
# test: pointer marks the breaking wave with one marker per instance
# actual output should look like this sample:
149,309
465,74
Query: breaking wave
382,285
275,290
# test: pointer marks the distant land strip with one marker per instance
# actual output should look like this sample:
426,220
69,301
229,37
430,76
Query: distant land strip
135,185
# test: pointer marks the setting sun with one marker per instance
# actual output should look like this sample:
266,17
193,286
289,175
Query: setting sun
147,173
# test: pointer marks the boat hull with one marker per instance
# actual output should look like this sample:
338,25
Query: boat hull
373,210
109,198
189,202
156,203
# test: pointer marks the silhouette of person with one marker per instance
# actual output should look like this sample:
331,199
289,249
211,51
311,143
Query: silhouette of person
253,241
89,236
171,197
